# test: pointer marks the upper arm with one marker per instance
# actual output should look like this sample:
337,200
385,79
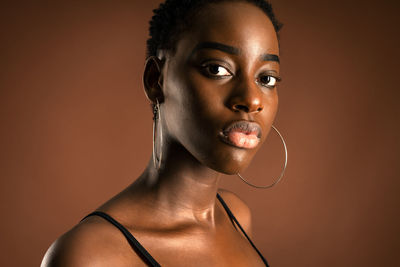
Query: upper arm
92,243
61,253
239,209
67,251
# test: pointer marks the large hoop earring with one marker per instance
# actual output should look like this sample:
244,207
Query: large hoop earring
283,171
156,118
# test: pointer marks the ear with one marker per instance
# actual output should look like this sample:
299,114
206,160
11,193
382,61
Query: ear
153,79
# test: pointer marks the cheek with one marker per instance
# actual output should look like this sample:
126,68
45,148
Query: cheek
268,114
271,105
190,107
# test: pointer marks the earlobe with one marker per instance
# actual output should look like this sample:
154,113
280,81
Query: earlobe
153,79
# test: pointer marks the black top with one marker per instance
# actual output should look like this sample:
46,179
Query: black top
142,252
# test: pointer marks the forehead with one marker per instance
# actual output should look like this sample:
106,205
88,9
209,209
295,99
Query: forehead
237,24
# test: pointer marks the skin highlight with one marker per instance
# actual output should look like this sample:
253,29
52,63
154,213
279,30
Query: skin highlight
222,72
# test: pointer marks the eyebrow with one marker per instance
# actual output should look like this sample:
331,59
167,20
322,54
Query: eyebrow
231,50
218,46
270,57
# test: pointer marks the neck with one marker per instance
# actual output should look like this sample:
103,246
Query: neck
182,186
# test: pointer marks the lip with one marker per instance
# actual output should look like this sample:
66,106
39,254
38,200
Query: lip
242,134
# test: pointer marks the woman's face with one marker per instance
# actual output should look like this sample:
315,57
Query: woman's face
219,86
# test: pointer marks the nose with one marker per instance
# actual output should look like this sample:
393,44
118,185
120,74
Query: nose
246,97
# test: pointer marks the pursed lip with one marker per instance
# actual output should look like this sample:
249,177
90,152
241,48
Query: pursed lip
242,134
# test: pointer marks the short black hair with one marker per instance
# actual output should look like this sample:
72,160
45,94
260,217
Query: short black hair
172,18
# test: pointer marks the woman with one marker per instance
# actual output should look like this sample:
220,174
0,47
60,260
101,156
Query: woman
211,77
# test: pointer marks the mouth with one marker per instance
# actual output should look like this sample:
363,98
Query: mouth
242,134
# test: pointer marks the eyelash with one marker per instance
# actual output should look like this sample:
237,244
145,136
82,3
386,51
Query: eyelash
208,73
206,70
265,84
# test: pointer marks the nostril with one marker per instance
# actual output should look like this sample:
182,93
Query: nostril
241,108
246,109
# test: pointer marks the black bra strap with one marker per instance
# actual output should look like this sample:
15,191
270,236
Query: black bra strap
232,217
142,252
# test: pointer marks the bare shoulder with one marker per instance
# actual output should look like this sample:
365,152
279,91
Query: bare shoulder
239,209
93,242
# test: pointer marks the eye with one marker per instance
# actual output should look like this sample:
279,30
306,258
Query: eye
268,81
215,70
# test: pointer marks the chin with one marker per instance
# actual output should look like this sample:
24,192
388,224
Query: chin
228,165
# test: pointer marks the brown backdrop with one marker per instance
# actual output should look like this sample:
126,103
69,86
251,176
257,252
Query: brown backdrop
76,127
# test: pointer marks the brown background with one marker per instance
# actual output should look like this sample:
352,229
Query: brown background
76,127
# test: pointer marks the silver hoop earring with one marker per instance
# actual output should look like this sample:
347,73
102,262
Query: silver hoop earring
156,118
283,171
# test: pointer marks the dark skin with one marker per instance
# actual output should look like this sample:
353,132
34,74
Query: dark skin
222,71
